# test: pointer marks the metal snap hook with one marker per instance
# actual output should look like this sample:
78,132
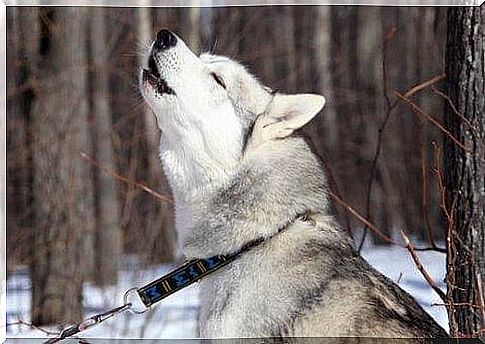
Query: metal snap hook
140,307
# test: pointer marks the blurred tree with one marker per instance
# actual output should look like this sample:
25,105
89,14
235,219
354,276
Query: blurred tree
333,50
62,188
158,232
355,61
465,171
323,59
128,132
190,26
107,243
22,42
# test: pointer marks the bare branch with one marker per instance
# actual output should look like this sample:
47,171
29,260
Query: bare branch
423,85
421,268
455,111
390,107
424,203
450,245
420,112
376,230
456,304
31,326
126,180
480,298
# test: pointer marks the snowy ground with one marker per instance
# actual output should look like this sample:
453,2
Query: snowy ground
176,316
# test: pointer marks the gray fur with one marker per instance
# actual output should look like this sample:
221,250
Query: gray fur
304,281
238,175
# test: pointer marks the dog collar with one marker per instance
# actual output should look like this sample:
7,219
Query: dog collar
159,289
193,271
181,277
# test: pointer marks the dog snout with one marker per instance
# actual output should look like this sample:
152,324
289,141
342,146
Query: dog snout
165,39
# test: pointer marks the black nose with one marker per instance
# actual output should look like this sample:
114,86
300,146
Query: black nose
165,39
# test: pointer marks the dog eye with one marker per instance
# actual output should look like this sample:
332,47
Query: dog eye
218,80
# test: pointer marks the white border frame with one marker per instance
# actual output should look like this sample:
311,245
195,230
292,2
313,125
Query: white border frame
221,3
135,3
3,170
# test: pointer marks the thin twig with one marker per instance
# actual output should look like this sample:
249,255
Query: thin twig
441,186
390,34
32,327
362,219
457,304
427,222
376,230
450,278
336,189
480,297
124,179
453,107
421,268
424,202
420,112
390,107
423,85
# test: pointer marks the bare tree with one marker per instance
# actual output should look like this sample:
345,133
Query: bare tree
62,188
465,170
159,231
22,42
107,241
191,25
324,67
55,105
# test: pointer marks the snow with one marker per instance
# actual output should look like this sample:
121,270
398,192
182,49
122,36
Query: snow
176,316
397,264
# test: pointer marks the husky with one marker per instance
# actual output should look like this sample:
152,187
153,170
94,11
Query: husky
240,175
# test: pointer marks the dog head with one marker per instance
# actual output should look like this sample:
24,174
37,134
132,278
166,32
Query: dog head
207,106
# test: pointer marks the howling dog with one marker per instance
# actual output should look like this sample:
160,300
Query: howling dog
239,175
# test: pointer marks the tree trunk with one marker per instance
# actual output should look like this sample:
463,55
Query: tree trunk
107,236
22,40
159,229
62,184
191,26
323,47
465,171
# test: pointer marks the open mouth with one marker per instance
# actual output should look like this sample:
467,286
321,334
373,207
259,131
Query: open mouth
152,76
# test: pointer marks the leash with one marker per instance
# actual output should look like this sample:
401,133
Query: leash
157,290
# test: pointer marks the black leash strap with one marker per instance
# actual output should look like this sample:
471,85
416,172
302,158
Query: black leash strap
187,274
180,278
153,292
159,289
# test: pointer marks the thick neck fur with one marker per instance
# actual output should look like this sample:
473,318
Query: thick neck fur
266,191
195,167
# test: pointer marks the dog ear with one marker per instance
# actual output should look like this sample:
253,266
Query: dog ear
285,114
